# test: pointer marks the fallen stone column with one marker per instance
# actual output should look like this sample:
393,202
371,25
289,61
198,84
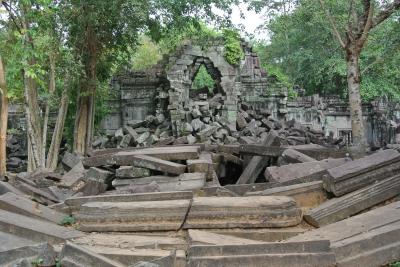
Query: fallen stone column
243,212
340,208
362,172
315,253
132,216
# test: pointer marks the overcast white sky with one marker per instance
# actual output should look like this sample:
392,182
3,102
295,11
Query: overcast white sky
251,21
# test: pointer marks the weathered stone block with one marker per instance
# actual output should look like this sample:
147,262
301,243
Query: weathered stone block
362,172
337,209
131,172
183,182
316,253
21,205
75,203
369,239
36,230
77,256
307,195
133,216
301,172
244,212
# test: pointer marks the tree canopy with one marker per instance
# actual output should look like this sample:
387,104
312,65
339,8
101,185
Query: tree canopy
303,48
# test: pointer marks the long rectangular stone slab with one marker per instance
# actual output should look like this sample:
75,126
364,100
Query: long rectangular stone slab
243,212
242,189
377,247
14,249
208,238
315,253
38,194
306,195
157,164
75,203
345,206
133,216
362,172
368,239
264,248
7,187
124,158
128,256
9,241
77,256
263,234
294,156
21,205
355,225
301,172
133,241
257,163
34,229
184,182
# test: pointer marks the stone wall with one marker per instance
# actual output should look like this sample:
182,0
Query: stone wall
165,89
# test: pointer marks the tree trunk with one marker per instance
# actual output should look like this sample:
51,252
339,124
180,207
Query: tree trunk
84,119
33,125
36,159
3,120
52,156
353,81
52,88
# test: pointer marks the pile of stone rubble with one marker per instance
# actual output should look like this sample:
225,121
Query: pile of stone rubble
200,205
204,123
16,152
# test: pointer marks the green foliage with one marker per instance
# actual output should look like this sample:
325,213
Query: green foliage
37,262
68,220
304,48
146,55
203,79
395,264
233,50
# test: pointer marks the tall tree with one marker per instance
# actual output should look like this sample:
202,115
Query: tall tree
36,51
363,16
3,119
99,29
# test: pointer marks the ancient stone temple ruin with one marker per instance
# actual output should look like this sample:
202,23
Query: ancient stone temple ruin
165,93
166,89
239,176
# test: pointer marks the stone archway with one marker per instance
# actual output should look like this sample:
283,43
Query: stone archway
181,74
211,69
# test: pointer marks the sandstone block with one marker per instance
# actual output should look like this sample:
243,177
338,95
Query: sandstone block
133,216
243,212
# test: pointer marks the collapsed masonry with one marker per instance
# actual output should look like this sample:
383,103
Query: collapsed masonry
206,185
161,102
175,206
